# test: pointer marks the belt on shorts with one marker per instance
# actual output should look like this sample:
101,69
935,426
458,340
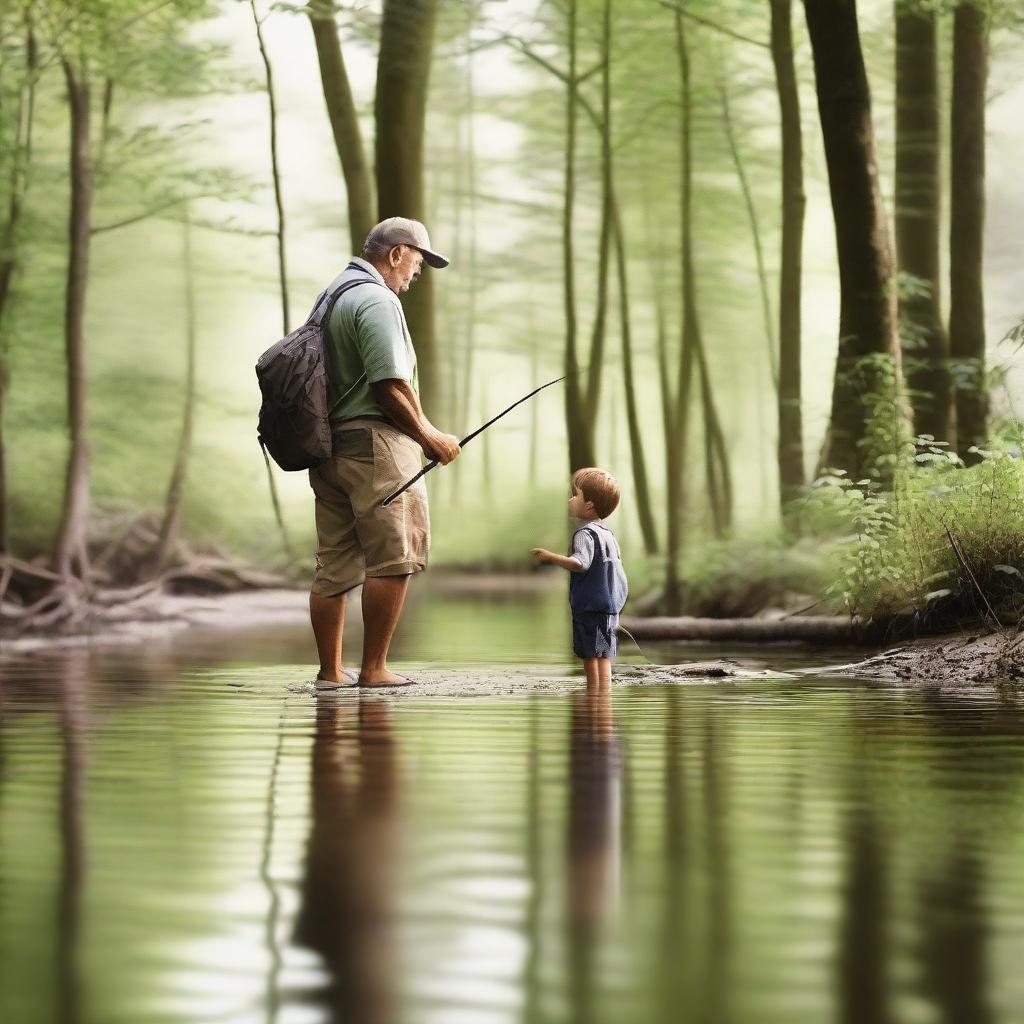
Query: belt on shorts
338,425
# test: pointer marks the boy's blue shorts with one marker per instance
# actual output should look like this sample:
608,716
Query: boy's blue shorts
593,634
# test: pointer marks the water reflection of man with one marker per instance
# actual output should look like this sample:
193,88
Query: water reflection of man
345,914
595,770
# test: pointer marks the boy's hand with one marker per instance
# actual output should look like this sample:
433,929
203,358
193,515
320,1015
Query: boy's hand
541,555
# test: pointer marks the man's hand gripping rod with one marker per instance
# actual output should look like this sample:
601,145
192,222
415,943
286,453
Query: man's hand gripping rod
469,437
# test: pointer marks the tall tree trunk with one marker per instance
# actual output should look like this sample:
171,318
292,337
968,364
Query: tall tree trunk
966,229
403,72
716,464
641,486
170,526
917,215
581,445
675,451
604,236
275,169
341,111
755,227
867,313
790,416
18,186
70,547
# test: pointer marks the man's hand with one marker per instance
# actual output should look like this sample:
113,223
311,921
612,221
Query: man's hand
541,555
444,448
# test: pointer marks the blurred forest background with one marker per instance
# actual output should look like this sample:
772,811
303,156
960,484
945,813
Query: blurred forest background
772,244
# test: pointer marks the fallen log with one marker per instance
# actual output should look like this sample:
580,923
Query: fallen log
818,629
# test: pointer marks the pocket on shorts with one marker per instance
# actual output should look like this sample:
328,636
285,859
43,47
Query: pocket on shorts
354,444
396,458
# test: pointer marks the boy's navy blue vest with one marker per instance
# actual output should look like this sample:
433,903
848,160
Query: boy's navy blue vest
602,587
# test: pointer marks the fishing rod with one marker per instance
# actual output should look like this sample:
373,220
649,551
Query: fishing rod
433,463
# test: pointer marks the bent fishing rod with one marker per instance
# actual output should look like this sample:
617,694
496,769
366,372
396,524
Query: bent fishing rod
433,463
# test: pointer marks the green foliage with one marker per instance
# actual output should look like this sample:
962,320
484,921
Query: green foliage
902,557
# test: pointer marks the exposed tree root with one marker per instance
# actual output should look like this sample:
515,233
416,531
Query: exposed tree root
121,574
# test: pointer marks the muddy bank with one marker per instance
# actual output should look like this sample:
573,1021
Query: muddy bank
523,680
965,661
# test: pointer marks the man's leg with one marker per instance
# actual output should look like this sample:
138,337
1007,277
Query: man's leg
327,614
590,668
604,670
383,599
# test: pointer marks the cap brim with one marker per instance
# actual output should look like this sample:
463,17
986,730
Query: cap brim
433,259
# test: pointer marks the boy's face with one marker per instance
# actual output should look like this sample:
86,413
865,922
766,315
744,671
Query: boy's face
579,507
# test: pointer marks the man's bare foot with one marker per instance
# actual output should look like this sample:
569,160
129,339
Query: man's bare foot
383,679
328,681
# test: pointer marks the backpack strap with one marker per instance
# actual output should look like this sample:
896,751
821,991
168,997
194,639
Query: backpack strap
321,317
324,305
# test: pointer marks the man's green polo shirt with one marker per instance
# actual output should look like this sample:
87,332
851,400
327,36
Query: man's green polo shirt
367,333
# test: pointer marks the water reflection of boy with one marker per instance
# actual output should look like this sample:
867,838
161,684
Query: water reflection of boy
346,910
595,774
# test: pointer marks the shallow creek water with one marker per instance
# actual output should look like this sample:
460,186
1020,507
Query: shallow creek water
185,839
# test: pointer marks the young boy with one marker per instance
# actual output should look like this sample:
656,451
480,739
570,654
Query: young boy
597,586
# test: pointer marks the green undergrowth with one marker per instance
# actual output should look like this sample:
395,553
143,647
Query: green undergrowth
944,546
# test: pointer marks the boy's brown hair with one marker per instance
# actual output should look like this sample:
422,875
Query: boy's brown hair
598,487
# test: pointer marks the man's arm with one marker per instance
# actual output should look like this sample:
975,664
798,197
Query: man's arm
401,406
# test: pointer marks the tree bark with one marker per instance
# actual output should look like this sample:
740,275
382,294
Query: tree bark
170,526
676,446
341,112
581,448
917,216
275,169
70,548
790,452
403,72
755,228
867,315
18,187
599,332
966,229
641,486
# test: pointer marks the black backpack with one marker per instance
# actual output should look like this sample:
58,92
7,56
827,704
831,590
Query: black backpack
294,421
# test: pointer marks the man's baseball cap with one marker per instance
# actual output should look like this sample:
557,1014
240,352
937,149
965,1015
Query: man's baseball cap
403,231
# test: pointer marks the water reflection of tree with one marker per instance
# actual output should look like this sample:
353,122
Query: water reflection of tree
71,697
951,903
593,840
346,912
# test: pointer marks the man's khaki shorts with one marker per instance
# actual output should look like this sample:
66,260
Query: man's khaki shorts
356,537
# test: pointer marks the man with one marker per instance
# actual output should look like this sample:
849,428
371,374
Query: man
379,431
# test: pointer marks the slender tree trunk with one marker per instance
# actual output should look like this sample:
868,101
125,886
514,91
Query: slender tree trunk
341,111
867,316
966,230
716,462
790,416
485,414
170,527
676,449
403,72
69,549
275,169
581,452
18,185
535,382
918,211
644,506
755,229
597,341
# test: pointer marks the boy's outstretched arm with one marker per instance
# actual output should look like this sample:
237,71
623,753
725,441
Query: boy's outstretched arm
542,555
